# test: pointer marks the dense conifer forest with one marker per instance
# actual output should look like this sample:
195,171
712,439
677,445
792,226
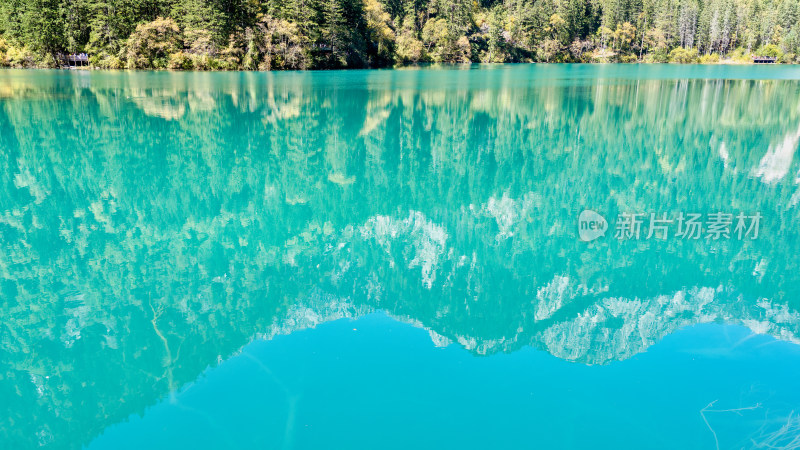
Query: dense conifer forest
318,34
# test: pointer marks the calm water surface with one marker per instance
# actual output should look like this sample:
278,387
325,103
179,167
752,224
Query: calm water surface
391,259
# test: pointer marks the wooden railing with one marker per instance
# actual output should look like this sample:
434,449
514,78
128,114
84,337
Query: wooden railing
74,60
764,59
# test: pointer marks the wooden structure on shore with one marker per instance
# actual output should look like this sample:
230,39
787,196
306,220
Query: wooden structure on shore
764,59
74,60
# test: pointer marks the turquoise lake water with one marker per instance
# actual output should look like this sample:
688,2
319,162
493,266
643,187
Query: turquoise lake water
503,257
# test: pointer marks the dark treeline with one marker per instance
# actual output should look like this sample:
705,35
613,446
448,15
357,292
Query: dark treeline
304,34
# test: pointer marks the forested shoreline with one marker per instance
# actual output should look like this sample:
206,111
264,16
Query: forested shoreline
328,34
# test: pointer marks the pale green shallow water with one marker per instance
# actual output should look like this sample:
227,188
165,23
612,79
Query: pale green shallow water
391,259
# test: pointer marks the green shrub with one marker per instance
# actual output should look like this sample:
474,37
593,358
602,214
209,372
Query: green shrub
446,46
682,55
629,58
741,55
46,61
550,50
788,58
771,50
208,62
180,61
20,57
280,45
230,58
711,58
106,61
602,55
659,55
151,44
409,49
